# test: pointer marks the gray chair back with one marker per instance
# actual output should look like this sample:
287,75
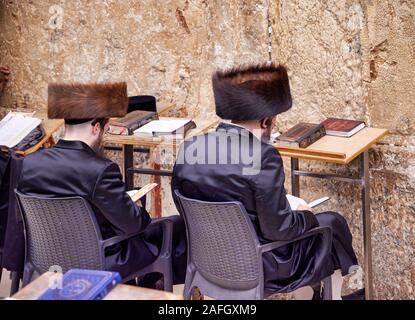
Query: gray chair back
59,232
224,261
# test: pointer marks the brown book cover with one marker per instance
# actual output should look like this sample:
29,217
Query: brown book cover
133,120
342,127
301,135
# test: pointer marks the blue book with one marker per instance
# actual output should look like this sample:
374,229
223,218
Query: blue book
83,285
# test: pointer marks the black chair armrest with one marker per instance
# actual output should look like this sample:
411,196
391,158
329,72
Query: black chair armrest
167,227
117,239
324,231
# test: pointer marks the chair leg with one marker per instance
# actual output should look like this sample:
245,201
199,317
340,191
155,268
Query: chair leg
16,276
168,280
327,286
27,275
187,291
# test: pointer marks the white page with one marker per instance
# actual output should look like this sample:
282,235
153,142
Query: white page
295,201
15,127
161,126
317,202
132,193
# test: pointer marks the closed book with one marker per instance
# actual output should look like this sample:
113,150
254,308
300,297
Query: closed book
78,284
133,120
301,135
342,127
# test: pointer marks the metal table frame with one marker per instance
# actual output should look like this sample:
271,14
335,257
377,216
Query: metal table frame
129,170
364,181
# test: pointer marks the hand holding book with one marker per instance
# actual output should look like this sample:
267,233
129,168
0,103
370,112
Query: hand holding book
298,203
136,195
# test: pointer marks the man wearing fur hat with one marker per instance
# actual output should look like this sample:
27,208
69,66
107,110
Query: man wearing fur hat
75,167
213,167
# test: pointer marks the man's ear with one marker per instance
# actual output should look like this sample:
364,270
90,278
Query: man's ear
96,128
265,123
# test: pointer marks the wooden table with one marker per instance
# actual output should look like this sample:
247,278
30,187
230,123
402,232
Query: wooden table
121,292
342,151
154,145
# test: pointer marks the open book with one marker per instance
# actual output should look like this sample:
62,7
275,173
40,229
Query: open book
138,194
165,127
15,126
295,202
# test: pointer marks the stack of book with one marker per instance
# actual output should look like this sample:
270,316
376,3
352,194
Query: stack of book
304,134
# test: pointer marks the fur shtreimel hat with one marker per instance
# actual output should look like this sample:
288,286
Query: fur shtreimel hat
76,102
251,92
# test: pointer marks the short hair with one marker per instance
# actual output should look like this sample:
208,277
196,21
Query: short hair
102,122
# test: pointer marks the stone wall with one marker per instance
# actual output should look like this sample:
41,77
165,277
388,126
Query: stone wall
347,58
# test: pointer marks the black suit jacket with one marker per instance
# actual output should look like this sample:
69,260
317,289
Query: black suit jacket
261,191
210,169
72,168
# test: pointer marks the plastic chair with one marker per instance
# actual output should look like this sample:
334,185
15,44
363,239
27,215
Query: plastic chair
224,253
63,232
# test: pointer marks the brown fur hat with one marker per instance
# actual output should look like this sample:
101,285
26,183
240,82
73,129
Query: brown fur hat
251,92
87,101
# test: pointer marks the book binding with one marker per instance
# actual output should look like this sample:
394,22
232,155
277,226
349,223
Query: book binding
301,135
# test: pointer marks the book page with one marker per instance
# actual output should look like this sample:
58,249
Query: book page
295,201
15,127
317,202
138,194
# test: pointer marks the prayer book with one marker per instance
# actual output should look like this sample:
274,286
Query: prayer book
130,122
78,284
342,127
166,127
15,126
138,194
301,135
295,202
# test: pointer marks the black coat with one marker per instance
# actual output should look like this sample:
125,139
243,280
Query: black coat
71,168
262,193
